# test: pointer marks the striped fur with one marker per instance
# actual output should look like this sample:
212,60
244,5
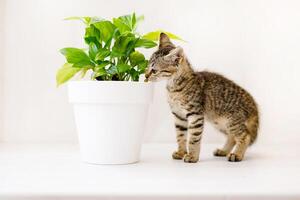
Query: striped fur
197,96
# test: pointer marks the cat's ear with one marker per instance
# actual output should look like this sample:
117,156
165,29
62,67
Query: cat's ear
176,55
164,41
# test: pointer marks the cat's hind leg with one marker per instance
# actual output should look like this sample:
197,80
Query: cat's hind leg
242,139
230,142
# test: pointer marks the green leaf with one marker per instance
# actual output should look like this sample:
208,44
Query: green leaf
76,56
127,19
92,34
83,64
134,74
123,68
65,73
136,58
112,70
95,19
124,43
123,28
127,23
106,29
115,34
101,65
136,20
145,43
99,70
130,48
116,54
102,54
154,36
133,22
99,73
142,66
85,20
93,49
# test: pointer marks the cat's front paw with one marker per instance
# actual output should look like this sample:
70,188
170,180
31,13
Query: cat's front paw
232,157
178,155
189,158
220,153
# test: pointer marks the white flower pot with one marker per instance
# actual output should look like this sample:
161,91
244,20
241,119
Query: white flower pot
110,117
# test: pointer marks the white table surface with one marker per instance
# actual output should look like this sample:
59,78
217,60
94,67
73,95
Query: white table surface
54,171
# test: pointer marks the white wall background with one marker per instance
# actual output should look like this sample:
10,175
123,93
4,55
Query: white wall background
2,11
254,42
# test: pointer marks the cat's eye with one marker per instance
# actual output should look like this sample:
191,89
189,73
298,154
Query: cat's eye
154,71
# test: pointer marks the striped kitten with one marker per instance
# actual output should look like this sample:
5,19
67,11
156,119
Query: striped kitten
195,96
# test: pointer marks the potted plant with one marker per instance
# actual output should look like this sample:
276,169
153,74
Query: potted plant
110,109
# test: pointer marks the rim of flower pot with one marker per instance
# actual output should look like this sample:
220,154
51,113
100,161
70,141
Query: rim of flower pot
110,92
113,82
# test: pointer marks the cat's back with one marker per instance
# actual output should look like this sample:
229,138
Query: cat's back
213,77
215,82
224,95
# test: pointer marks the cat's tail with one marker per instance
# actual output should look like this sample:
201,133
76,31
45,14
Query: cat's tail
253,125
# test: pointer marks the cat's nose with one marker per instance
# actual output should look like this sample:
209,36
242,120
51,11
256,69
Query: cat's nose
151,71
147,75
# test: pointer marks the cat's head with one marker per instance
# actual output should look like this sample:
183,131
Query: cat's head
165,61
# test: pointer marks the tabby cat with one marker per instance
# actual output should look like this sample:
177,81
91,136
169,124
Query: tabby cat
195,96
